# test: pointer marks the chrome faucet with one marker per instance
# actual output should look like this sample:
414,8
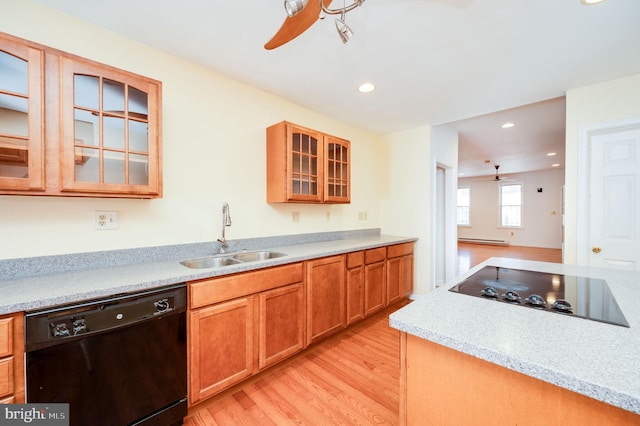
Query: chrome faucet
226,221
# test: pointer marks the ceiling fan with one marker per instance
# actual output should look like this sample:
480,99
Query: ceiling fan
302,14
497,178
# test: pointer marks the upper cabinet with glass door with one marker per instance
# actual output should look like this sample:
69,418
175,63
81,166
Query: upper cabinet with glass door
110,130
337,170
306,166
21,117
102,135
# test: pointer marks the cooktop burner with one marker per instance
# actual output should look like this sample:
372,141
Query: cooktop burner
582,297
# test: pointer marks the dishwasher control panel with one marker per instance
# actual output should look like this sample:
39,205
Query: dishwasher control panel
69,321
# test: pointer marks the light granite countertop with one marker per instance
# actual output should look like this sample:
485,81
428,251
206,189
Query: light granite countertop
54,284
599,360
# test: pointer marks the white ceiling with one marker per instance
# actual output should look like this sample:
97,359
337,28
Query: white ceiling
433,61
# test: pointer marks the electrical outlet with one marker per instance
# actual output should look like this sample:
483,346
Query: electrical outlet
295,217
105,220
328,215
362,216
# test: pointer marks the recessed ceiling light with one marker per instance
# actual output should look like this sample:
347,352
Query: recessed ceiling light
555,165
590,2
366,88
507,125
550,154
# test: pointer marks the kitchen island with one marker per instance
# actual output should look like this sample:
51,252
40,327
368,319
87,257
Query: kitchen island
468,360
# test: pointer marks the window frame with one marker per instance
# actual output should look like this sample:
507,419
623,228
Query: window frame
468,224
501,205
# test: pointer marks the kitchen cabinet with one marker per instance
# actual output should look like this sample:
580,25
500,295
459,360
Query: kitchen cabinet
241,323
12,359
355,286
399,272
281,324
110,131
374,280
21,116
307,166
221,346
325,297
102,136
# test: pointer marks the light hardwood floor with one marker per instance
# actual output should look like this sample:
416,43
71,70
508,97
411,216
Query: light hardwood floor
470,255
349,379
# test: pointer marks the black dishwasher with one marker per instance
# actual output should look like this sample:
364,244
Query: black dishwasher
116,361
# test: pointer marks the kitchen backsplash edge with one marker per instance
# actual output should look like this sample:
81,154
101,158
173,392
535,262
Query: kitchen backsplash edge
33,266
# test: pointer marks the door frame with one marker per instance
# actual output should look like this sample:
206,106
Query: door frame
443,249
585,133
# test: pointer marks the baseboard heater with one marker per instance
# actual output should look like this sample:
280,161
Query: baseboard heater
483,241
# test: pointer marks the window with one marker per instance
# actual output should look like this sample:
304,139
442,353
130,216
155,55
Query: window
464,201
511,205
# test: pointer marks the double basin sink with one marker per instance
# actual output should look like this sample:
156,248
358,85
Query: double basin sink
229,259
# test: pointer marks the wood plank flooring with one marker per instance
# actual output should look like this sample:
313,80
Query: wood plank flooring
470,255
349,379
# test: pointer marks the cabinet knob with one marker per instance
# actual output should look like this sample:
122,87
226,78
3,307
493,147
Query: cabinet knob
596,249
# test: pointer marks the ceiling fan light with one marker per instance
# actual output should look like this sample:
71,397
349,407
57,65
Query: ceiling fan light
344,31
293,7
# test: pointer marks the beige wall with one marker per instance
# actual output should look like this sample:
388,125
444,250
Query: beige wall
542,212
600,103
405,197
213,149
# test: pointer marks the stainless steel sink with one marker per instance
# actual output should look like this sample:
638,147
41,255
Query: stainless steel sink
211,262
252,256
229,259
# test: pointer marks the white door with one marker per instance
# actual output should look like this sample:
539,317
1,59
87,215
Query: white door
611,231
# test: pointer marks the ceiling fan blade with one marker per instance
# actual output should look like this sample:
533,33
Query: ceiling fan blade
296,25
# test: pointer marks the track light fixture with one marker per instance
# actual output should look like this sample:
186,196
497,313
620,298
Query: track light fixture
293,7
344,31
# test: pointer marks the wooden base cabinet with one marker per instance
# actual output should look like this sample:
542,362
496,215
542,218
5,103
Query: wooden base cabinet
242,323
399,272
325,297
12,359
281,324
374,280
355,287
221,346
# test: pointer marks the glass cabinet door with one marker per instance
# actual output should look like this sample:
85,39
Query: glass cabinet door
306,159
337,170
110,128
21,117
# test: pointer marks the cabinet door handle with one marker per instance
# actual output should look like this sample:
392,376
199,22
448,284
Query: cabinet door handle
596,249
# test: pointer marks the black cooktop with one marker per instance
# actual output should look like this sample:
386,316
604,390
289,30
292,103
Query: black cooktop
582,297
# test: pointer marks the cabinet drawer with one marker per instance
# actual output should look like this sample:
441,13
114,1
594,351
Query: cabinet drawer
375,255
399,250
355,259
214,290
6,337
6,377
